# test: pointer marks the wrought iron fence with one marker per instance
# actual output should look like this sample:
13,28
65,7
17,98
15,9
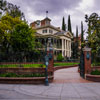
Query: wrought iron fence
22,56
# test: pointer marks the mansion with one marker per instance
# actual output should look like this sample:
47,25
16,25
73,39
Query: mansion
61,40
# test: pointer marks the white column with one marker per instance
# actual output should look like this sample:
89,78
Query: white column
65,47
70,48
62,46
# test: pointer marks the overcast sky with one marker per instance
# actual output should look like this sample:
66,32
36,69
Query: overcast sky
36,10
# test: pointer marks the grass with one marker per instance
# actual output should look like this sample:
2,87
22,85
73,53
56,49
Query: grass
22,65
95,64
65,64
35,65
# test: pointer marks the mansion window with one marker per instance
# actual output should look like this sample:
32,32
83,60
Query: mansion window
44,31
50,31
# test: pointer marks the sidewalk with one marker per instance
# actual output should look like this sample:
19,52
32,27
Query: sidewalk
63,89
69,75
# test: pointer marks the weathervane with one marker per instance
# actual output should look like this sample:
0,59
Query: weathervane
46,14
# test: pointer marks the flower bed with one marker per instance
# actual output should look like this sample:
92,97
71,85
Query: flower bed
94,75
95,78
24,72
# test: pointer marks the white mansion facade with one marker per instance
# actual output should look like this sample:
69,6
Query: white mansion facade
61,40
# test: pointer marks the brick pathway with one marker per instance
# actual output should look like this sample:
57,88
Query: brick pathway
69,75
68,85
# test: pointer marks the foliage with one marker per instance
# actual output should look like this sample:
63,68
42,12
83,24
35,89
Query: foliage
14,11
96,72
69,24
82,36
22,38
2,6
93,22
60,57
65,64
63,25
11,9
23,75
95,64
15,34
76,45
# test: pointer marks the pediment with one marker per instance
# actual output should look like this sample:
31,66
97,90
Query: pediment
68,34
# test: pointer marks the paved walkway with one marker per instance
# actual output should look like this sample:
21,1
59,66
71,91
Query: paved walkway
69,75
64,90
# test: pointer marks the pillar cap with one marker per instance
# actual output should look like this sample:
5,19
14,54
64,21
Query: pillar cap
86,49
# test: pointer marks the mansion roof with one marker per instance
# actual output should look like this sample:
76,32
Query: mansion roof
44,29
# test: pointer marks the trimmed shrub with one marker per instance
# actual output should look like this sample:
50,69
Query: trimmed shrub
60,57
96,72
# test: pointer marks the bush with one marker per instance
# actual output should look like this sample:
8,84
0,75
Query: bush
95,64
23,75
60,57
96,72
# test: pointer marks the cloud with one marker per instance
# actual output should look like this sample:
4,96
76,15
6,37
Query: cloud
54,6
35,10
38,7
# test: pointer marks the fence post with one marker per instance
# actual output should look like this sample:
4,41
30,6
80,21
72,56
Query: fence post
87,59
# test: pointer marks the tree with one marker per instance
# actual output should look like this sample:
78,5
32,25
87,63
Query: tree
93,22
11,9
22,38
14,11
63,25
73,47
76,44
69,24
15,34
82,36
2,6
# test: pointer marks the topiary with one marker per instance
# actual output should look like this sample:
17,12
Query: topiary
60,57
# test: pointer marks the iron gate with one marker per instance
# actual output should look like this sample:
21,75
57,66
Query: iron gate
82,69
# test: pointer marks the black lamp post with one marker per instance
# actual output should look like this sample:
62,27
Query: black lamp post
47,58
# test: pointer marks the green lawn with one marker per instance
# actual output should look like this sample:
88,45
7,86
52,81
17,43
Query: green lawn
65,64
23,65
35,65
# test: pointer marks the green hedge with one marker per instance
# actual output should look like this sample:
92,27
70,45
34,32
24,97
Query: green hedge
96,72
24,75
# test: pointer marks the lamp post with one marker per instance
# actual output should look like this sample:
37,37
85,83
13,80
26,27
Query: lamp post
46,63
48,56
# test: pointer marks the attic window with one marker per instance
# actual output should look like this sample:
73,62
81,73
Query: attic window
47,22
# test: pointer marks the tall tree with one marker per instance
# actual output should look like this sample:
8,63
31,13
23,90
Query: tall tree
63,24
93,22
82,35
76,44
69,24
73,47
